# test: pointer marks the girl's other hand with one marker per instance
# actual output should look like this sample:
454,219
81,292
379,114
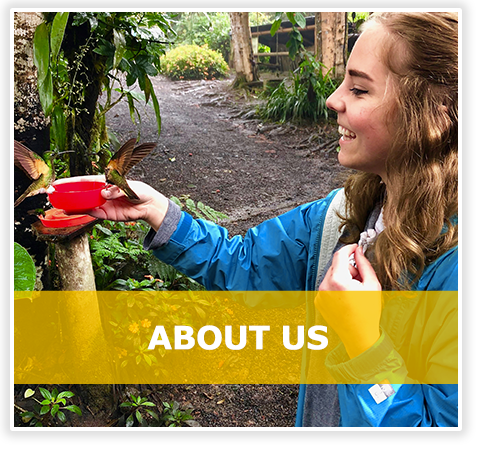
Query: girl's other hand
354,317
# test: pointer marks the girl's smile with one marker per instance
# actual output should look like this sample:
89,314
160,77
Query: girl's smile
364,102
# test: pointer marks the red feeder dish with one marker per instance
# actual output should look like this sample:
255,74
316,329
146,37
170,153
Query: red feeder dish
77,197
56,218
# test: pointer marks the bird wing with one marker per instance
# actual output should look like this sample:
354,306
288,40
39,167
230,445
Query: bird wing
139,152
122,157
32,164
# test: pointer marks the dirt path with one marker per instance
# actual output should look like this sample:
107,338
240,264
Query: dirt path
237,166
248,170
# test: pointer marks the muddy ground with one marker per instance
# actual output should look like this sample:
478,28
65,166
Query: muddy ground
211,149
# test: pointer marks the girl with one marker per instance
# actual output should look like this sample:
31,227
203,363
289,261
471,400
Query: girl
397,115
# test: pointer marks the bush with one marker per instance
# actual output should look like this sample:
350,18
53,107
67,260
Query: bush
301,98
193,62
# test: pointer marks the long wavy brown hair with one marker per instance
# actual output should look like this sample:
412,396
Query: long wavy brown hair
421,199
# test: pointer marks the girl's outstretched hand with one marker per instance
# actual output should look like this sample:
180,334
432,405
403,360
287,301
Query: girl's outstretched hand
151,206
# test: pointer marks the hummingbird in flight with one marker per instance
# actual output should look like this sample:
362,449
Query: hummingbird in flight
38,169
122,162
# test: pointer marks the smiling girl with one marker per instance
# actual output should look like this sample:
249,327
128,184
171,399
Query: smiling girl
393,227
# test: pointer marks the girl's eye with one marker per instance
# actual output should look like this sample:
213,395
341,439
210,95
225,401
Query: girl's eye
357,91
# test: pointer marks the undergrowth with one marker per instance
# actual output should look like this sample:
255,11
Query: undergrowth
301,98
121,263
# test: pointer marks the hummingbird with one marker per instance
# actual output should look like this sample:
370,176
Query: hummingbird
122,162
39,170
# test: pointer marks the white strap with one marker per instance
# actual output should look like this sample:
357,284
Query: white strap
331,232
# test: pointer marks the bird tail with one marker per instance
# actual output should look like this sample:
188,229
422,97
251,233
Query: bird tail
129,193
31,190
20,199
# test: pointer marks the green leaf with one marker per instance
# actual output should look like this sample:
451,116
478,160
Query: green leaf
291,18
58,128
61,416
300,20
45,90
275,26
41,51
74,409
57,33
24,275
156,105
130,421
55,409
120,47
153,414
45,393
27,416
139,417
149,404
126,404
105,48
65,394
44,410
28,393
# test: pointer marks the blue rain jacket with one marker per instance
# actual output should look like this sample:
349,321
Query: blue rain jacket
282,254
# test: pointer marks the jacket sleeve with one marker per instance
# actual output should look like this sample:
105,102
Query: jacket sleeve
412,403
271,256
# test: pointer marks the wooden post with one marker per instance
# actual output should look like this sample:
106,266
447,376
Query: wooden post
331,39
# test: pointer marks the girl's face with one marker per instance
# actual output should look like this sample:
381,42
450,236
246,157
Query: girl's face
363,102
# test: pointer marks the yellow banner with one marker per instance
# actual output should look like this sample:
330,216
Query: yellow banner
142,337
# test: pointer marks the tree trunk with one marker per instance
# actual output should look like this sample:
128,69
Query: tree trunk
30,126
74,264
80,312
242,49
331,42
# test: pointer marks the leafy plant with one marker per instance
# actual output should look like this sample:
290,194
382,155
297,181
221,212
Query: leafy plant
121,263
193,62
173,416
80,54
302,97
24,272
49,411
295,41
136,409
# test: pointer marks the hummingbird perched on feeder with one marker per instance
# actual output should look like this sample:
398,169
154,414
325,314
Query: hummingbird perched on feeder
40,170
122,162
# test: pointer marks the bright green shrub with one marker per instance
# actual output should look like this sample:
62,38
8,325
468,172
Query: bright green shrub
193,62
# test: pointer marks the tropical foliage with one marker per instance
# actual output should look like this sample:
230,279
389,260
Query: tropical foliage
80,55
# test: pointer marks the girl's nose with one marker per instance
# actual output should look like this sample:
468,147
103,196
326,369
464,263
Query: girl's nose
335,101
